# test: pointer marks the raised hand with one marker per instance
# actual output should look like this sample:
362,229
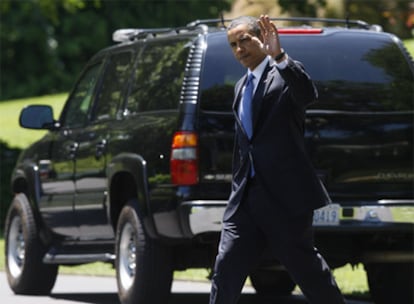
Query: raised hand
269,42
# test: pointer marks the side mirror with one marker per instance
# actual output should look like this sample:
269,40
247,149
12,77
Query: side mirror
37,117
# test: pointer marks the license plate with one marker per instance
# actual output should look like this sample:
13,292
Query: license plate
326,216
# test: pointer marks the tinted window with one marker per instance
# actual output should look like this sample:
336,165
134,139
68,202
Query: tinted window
158,76
221,71
113,84
356,72
353,72
77,108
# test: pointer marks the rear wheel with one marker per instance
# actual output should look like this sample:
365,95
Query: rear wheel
272,282
24,251
391,283
143,265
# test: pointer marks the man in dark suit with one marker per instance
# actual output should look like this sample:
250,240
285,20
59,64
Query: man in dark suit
275,188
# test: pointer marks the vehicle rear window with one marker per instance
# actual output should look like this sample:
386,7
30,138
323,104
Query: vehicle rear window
353,71
220,73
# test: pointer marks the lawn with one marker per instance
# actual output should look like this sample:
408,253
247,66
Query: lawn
409,44
11,132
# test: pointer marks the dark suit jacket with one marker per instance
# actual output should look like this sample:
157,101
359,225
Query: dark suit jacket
277,147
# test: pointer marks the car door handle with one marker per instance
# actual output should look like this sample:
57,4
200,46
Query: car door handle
100,148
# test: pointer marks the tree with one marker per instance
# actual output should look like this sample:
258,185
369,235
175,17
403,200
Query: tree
392,15
28,59
302,7
45,43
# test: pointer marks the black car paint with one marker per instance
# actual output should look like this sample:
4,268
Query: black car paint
361,147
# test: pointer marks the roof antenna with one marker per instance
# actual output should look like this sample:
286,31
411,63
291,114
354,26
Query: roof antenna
348,25
222,19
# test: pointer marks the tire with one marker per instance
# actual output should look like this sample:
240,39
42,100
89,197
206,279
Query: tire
272,282
143,266
24,251
391,283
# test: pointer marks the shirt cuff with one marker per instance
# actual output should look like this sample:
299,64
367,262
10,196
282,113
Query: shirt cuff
283,64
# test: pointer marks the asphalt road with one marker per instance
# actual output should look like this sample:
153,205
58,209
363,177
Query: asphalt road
102,290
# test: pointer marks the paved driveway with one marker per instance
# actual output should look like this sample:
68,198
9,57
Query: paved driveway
70,289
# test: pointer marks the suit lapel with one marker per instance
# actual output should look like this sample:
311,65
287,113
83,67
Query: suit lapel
237,100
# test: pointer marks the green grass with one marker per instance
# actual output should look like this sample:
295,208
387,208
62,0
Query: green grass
409,44
352,280
11,132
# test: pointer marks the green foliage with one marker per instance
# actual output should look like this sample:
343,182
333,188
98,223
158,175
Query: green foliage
45,43
392,15
302,7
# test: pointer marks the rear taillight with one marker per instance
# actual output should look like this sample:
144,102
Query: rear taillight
184,158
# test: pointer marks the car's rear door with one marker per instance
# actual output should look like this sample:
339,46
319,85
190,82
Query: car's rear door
91,203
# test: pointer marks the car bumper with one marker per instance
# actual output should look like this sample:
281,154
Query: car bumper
206,216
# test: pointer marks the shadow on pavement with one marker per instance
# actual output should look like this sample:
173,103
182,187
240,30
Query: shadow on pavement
244,299
92,298
176,298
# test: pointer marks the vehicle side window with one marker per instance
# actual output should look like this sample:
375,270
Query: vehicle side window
158,77
77,107
113,85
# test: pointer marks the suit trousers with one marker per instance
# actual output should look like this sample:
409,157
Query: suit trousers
258,224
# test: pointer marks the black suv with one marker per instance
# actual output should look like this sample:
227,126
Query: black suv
137,169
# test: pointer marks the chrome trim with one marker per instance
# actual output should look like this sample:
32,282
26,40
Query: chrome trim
191,81
206,216
396,202
403,214
77,258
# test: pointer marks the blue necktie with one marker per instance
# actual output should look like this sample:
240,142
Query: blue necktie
246,111
246,106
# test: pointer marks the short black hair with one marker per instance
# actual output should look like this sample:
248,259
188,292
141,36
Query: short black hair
251,22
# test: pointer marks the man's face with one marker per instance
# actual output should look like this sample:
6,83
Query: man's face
244,48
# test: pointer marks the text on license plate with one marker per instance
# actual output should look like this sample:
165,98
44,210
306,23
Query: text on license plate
328,215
